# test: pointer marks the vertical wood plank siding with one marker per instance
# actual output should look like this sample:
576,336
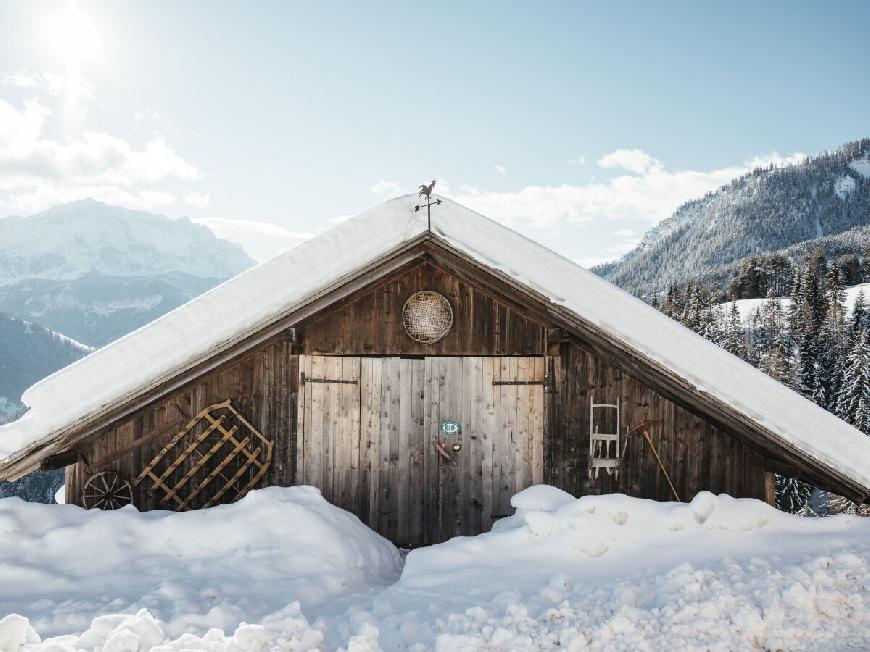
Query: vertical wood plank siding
697,454
370,322
369,445
262,385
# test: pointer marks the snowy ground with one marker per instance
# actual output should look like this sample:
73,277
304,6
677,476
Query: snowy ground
747,307
601,572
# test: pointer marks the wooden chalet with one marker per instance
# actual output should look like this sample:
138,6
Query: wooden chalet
419,376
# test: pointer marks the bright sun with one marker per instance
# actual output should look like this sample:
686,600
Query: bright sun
72,35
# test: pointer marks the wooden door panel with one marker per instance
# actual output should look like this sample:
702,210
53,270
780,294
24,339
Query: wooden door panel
369,439
329,432
392,430
499,402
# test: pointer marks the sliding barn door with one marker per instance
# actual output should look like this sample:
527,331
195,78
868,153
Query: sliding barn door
328,434
499,405
371,438
394,449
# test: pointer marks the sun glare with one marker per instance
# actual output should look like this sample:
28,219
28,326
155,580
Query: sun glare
72,35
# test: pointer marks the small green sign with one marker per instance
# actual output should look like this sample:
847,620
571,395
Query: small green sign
451,427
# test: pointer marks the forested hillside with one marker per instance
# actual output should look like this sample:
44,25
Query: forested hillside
810,342
28,353
763,211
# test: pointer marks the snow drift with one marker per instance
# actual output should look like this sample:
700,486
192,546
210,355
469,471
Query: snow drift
599,572
618,573
61,566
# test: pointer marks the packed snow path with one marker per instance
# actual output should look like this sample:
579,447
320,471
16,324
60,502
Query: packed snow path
601,572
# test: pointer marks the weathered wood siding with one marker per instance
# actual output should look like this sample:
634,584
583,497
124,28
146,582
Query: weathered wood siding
369,439
262,387
369,445
371,321
697,454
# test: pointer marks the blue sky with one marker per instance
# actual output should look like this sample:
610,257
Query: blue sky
580,124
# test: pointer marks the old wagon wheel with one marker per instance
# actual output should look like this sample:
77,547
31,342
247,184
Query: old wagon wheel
107,490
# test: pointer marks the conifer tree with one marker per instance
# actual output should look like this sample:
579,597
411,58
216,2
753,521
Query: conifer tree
793,495
859,313
854,403
732,340
774,354
832,345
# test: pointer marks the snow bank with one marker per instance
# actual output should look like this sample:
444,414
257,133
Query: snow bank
599,572
747,307
619,573
286,629
601,535
861,166
61,566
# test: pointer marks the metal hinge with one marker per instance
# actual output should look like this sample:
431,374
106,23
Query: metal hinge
339,381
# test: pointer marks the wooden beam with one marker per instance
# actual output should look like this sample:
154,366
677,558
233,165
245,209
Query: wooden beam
60,460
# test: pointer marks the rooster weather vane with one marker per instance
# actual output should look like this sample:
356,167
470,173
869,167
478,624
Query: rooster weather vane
426,191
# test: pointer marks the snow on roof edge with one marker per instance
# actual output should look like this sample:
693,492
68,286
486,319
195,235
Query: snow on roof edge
91,384
264,291
697,360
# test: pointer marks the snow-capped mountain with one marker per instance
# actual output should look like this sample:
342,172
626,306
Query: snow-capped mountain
765,210
87,237
96,272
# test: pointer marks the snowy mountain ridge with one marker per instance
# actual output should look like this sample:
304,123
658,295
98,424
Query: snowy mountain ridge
765,210
96,272
87,237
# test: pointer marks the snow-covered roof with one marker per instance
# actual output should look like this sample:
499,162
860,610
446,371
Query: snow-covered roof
256,298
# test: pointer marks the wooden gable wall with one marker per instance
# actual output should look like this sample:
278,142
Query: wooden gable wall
370,323
697,453
262,384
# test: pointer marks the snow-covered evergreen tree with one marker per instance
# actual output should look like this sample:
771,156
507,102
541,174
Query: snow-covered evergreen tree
854,403
832,344
773,345
859,313
793,495
732,333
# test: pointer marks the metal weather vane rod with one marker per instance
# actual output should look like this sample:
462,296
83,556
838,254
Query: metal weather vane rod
426,191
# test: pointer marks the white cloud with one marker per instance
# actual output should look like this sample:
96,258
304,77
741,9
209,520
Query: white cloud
500,169
580,160
21,78
262,240
197,199
40,197
20,129
614,251
94,157
37,171
54,84
592,261
383,187
146,113
633,160
650,193
775,159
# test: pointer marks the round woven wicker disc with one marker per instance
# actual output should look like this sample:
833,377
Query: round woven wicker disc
427,317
